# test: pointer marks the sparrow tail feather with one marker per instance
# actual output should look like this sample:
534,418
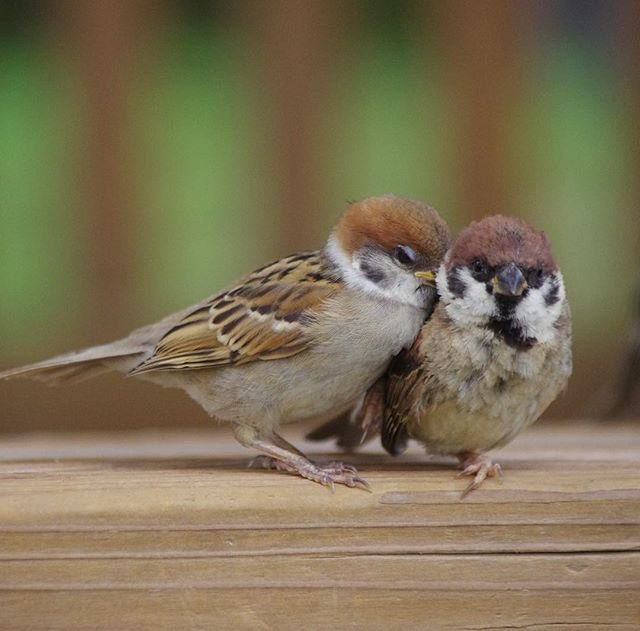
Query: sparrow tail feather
80,365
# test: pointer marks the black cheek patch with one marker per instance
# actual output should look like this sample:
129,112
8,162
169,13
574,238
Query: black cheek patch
373,274
553,295
455,284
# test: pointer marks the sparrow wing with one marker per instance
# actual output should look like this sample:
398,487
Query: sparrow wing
405,375
267,316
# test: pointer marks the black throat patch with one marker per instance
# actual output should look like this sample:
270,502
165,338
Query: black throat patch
506,327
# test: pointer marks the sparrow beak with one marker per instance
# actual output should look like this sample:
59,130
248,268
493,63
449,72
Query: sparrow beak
509,281
427,277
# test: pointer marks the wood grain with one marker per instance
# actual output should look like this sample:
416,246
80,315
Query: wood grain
172,531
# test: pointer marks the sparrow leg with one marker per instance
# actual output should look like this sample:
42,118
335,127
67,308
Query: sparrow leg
480,467
285,444
335,466
278,454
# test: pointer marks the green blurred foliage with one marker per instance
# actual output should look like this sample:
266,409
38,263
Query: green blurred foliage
197,137
41,245
391,131
573,139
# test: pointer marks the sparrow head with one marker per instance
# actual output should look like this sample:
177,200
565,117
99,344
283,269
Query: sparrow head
391,247
500,274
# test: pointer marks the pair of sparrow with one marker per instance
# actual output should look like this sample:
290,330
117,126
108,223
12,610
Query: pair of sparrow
457,346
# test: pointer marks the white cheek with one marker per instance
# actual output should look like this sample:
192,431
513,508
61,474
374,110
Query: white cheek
407,290
348,268
441,283
402,287
536,318
476,306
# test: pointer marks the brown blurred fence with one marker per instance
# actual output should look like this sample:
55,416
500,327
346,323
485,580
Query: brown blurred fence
297,57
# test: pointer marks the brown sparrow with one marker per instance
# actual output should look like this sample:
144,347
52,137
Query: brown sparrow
300,338
494,354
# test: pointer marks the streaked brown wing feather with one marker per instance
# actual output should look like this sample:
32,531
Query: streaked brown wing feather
266,317
405,375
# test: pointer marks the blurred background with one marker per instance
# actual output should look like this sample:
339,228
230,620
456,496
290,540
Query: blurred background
152,151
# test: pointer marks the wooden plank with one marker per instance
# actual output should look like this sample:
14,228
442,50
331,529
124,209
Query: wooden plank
333,607
155,531
191,494
548,442
214,541
494,572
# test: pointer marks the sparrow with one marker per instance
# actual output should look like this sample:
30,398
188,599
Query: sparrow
302,337
491,358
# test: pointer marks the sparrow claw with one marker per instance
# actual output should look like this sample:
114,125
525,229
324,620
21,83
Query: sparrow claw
346,474
335,466
479,466
328,475
360,483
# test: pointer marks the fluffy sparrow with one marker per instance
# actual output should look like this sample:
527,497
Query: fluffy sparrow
300,338
494,354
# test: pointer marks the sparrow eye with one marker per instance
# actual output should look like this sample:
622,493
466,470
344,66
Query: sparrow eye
405,255
534,277
480,270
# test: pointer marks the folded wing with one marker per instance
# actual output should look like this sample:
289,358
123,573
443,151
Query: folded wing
268,316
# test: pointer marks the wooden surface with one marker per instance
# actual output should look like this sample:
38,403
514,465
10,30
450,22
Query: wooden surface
172,531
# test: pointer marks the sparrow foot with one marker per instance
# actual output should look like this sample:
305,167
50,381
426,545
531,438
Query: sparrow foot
328,474
480,466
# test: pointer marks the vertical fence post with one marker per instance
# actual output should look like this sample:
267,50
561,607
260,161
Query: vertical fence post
101,38
481,42
295,43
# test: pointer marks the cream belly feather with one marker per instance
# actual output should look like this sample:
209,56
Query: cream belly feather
316,385
488,395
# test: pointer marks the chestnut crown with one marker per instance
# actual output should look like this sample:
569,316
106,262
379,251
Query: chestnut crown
402,227
497,241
